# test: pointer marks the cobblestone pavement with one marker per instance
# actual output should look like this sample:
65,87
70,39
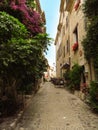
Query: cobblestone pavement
55,108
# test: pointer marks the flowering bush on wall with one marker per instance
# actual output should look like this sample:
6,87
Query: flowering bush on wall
75,46
30,18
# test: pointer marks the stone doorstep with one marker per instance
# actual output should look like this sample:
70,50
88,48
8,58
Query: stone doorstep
80,95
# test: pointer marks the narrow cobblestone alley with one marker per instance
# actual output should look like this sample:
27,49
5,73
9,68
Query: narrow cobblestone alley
54,108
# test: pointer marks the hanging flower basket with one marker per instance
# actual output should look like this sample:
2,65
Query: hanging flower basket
75,46
77,4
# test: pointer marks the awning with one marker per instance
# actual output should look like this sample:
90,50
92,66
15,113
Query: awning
65,66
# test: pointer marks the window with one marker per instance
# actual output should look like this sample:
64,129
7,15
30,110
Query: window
64,51
67,21
67,46
75,44
64,30
75,35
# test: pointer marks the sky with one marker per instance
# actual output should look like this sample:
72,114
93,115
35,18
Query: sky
51,9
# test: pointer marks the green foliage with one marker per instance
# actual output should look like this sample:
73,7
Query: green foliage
91,39
90,44
44,40
24,13
7,107
22,60
74,77
66,75
21,57
31,3
91,8
94,95
10,27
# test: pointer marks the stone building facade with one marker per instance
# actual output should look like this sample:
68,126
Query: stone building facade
70,33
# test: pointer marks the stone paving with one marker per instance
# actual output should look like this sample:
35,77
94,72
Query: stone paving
54,108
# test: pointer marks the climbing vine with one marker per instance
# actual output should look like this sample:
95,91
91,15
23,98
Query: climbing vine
90,42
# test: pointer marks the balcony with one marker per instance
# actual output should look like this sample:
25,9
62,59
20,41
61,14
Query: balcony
59,26
69,4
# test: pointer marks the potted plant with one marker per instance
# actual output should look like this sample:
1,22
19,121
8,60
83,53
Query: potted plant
77,3
75,46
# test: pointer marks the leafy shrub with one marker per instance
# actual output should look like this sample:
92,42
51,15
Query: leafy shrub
10,27
74,77
91,8
6,108
66,76
91,40
94,95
